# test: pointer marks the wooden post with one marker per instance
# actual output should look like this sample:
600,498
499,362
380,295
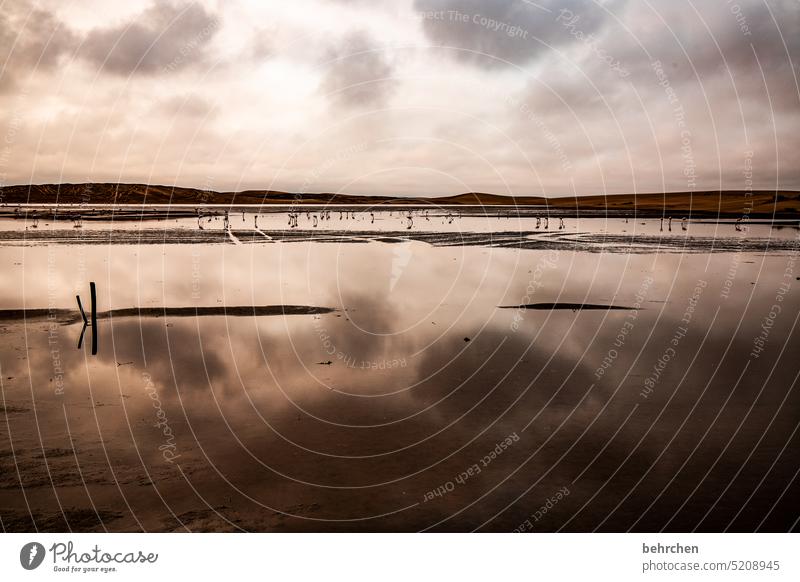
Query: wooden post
93,293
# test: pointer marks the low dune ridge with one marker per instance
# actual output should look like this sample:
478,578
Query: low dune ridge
729,203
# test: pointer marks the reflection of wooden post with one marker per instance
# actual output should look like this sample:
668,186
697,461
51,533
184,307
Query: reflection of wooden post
80,338
93,293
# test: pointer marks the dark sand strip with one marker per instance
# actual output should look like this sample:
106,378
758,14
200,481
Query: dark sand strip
67,316
571,306
533,240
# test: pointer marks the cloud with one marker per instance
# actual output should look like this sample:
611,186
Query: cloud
261,45
190,106
358,74
706,93
165,38
31,39
280,106
503,30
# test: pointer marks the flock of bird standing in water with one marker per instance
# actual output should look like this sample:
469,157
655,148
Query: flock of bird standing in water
315,218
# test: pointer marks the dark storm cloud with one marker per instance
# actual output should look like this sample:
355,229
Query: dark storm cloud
357,73
758,42
714,80
711,39
511,30
166,37
30,39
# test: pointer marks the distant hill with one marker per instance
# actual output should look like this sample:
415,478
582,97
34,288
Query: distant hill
759,203
103,193
784,204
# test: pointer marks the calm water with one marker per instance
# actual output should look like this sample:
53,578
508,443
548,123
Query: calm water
417,402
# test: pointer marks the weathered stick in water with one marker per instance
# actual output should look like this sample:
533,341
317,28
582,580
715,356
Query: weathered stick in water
83,313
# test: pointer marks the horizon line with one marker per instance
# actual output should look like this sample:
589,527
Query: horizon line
390,196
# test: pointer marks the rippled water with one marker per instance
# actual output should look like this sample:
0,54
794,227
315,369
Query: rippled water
426,398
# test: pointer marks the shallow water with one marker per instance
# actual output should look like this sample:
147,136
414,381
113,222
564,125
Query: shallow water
416,403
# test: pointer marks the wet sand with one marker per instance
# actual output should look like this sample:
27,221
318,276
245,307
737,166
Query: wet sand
570,306
67,316
532,240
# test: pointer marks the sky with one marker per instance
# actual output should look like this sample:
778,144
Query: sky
403,97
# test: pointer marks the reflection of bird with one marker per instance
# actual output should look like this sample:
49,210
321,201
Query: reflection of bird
684,223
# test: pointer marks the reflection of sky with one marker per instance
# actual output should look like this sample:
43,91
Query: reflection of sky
148,275
250,398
